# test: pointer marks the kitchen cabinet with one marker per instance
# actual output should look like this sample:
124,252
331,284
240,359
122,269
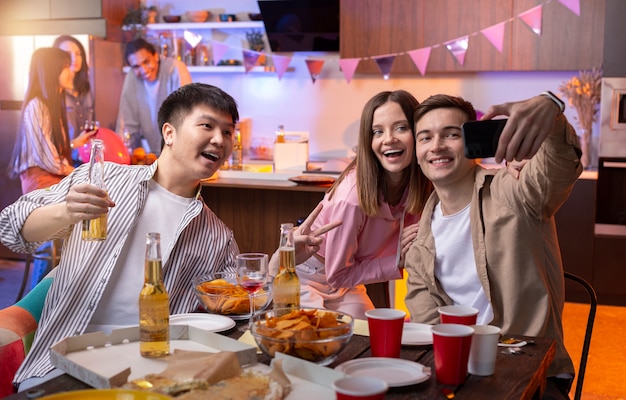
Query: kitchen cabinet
609,270
51,17
378,27
254,209
51,9
567,41
598,258
575,222
114,11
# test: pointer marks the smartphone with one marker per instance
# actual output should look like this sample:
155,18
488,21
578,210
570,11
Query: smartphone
480,138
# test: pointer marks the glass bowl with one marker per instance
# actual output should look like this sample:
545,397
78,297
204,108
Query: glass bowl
313,334
219,293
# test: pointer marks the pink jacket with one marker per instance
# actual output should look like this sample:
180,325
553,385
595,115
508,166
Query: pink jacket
363,249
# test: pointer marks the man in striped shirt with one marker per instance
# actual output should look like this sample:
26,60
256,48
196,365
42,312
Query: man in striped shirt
97,284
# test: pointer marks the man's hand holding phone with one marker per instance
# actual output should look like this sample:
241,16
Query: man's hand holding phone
529,123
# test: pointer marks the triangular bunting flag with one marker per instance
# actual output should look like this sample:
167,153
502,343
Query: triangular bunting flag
315,67
573,5
281,63
348,67
495,35
384,64
532,18
250,58
219,49
420,58
192,38
458,48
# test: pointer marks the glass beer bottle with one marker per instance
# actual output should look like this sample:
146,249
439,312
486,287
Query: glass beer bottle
237,155
286,285
96,229
154,307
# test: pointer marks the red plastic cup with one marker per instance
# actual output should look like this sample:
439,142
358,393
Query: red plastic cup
451,348
360,388
458,315
385,326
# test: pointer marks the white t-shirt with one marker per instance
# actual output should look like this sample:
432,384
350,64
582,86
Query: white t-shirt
153,89
119,305
455,267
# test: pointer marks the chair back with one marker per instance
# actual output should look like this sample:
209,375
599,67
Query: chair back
593,303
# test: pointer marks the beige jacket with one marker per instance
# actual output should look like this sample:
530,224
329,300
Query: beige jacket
516,249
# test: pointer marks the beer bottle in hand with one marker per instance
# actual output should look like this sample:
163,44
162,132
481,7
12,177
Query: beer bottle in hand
154,307
286,285
96,229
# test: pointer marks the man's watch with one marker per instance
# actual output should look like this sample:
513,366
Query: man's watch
555,99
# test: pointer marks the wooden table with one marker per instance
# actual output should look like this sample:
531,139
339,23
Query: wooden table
518,376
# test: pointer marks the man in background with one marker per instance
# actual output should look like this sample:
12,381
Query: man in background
151,80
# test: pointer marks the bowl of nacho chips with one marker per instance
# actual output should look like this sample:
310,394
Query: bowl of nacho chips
313,334
219,293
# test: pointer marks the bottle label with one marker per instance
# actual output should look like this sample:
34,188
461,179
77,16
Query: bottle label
154,327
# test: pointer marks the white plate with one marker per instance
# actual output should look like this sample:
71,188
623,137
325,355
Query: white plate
414,334
208,322
312,179
395,371
518,343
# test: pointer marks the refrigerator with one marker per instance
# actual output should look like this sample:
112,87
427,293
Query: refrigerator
105,59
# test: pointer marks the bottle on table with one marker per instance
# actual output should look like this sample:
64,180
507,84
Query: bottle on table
154,305
237,155
280,134
286,285
96,229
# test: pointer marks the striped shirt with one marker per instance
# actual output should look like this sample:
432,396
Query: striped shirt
37,148
202,244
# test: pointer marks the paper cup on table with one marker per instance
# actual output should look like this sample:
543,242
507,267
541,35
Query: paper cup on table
451,348
482,358
458,315
385,325
360,387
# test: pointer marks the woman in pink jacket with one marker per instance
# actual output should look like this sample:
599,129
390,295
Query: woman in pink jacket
378,198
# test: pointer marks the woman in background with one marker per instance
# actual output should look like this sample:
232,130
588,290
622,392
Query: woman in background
42,151
78,99
379,198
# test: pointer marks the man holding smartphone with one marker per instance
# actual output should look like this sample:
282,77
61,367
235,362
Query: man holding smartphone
486,238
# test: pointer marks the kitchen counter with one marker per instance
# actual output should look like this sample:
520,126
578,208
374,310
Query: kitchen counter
255,208
256,182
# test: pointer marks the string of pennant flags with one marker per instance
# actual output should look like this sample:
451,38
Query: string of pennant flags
457,47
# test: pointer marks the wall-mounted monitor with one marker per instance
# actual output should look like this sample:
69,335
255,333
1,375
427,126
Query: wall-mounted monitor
301,25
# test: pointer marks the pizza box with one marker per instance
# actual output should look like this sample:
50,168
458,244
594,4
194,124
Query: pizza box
108,361
308,380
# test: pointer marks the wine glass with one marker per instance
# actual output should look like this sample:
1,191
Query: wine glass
252,274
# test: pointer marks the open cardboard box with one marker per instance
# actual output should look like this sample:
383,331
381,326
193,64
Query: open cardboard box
108,361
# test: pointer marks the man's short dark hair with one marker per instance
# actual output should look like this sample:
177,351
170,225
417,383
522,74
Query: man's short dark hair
182,101
136,45
445,101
